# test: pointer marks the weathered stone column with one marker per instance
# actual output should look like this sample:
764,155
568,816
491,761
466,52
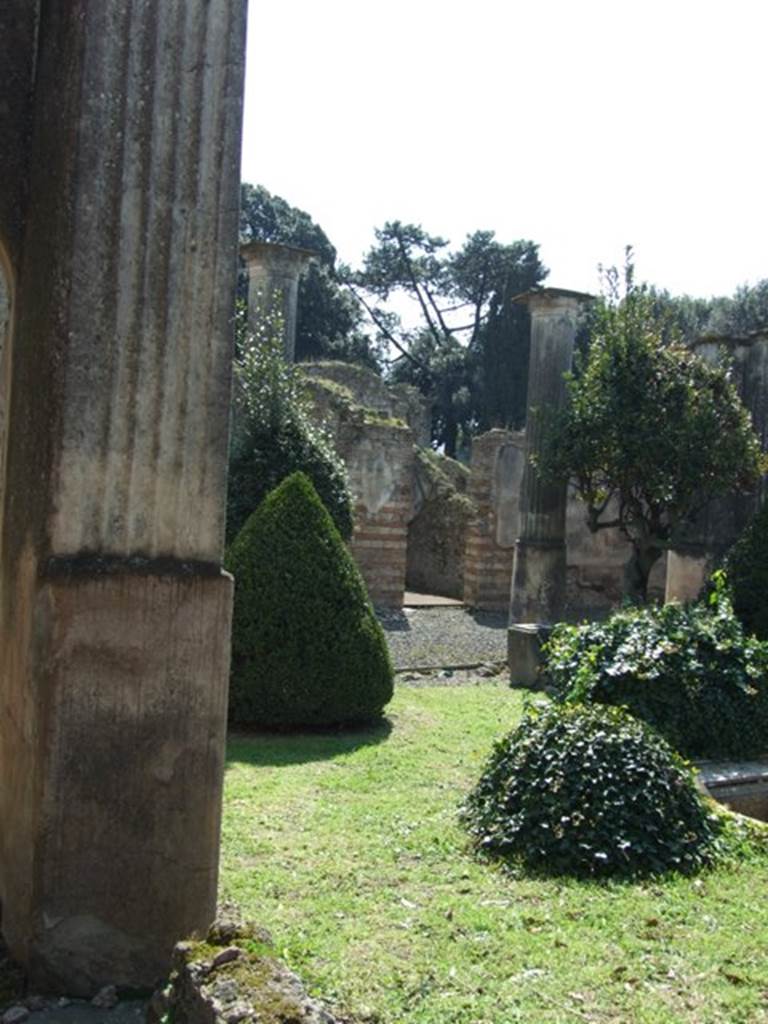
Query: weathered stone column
114,610
538,575
273,283
704,543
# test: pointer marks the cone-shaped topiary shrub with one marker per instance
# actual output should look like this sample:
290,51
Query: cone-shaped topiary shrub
307,649
589,790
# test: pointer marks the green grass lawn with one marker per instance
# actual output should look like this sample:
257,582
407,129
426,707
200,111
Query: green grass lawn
348,849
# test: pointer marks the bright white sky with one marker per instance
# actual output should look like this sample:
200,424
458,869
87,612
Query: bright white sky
580,124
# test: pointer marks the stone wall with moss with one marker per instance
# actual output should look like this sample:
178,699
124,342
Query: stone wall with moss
374,438
362,388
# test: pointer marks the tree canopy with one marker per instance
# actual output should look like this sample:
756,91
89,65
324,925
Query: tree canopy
736,315
651,433
470,346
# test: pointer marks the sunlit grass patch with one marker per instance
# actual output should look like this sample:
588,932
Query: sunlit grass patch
347,847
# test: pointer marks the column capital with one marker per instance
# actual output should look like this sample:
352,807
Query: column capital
552,301
285,259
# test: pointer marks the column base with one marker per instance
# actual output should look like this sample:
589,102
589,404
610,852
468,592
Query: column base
525,658
130,676
538,582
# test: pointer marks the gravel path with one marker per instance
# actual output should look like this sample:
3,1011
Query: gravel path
444,637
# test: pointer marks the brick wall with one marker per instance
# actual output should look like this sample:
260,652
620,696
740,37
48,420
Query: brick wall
496,469
379,461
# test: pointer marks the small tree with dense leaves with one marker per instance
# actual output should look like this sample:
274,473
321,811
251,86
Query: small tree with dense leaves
651,433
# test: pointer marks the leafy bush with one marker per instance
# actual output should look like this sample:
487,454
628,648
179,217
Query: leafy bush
588,790
272,434
690,671
746,568
307,649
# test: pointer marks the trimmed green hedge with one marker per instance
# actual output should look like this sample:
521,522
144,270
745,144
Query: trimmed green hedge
307,649
690,671
590,791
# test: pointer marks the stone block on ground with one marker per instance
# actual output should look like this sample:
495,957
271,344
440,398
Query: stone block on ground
231,977
525,640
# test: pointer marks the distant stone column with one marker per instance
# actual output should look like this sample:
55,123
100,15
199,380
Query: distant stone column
702,545
114,609
539,571
273,282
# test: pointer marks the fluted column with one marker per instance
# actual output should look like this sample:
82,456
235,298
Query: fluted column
115,612
538,575
273,284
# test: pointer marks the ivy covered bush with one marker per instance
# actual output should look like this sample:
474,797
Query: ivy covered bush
272,434
690,671
590,791
307,649
746,568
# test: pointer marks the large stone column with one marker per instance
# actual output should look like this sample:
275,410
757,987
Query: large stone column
273,283
114,610
539,571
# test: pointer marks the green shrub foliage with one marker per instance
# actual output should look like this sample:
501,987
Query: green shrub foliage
746,567
690,671
589,791
272,434
307,649
271,450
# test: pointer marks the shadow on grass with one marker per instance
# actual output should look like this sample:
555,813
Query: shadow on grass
259,747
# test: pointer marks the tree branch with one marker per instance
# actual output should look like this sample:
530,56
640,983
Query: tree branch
391,338
415,285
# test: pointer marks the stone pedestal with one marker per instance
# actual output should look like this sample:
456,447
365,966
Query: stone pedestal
273,285
524,655
114,611
539,571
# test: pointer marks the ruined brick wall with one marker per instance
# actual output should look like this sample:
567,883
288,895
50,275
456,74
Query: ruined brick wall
358,386
496,470
379,461
372,436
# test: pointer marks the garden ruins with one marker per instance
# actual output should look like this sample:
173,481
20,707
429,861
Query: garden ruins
118,250
427,523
